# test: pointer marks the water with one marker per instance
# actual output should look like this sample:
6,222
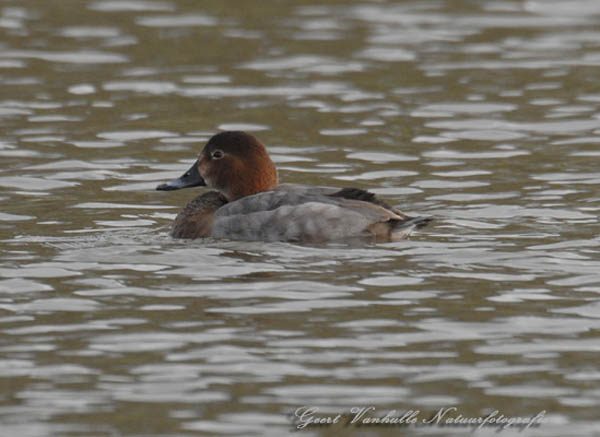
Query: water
482,114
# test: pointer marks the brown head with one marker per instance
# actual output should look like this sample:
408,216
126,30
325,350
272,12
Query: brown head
235,163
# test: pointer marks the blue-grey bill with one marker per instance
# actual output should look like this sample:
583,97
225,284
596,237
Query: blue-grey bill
190,178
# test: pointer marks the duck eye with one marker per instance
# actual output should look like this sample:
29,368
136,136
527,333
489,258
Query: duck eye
217,154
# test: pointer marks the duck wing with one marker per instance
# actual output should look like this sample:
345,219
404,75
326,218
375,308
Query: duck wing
305,214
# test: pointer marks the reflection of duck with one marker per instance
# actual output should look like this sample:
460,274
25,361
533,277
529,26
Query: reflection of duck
250,205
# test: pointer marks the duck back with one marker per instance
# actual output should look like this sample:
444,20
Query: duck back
300,213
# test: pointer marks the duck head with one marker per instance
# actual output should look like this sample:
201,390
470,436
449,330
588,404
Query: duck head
235,163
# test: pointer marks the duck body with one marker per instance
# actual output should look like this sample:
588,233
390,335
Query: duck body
251,205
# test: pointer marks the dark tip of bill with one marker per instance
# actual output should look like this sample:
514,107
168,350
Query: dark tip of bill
165,187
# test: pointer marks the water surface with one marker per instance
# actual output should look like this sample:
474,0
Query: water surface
482,114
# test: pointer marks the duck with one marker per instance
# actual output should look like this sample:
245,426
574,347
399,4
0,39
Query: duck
248,203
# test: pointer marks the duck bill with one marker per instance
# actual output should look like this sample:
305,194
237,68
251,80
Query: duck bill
190,178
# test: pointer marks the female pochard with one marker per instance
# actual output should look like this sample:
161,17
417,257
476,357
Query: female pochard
251,205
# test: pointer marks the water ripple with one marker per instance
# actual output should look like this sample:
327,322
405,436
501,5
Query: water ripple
484,117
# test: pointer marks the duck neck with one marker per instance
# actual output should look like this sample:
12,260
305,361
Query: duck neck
263,178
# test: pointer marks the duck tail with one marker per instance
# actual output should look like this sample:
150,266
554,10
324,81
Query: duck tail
403,229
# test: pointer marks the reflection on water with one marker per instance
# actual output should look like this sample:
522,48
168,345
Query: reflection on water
484,115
